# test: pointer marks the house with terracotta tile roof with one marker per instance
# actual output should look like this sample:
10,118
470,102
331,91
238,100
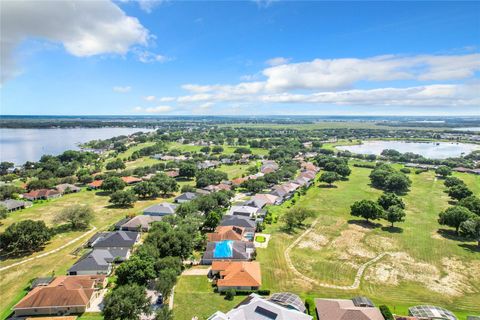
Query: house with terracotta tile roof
269,199
63,296
238,275
131,180
97,184
42,194
238,181
172,173
227,233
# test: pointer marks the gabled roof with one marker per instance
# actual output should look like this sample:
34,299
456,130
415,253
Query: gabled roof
118,239
243,209
238,181
187,196
40,193
11,204
130,179
226,233
238,274
64,291
96,260
268,198
340,309
239,221
96,184
142,221
66,186
163,208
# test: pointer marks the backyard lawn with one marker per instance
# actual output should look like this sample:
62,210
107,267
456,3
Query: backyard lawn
194,296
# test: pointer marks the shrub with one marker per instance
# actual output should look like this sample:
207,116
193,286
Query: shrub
230,294
387,314
405,170
310,306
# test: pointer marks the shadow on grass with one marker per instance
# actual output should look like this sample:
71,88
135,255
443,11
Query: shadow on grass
451,235
102,193
391,229
365,224
61,228
470,247
327,186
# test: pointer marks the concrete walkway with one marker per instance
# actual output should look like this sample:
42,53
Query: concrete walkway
48,252
358,276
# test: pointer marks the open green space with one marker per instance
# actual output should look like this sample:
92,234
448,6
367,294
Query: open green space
194,296
426,267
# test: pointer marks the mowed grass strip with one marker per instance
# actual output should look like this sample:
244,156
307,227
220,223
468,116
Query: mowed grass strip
324,256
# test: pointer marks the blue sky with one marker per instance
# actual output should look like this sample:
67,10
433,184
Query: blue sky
168,57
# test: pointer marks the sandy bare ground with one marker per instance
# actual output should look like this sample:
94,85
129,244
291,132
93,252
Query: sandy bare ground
48,252
196,272
358,276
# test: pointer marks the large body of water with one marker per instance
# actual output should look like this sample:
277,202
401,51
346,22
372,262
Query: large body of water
432,150
21,145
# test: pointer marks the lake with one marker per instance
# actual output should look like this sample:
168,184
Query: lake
432,150
21,145
473,129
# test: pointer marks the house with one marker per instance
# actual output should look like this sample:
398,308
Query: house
218,187
228,250
67,188
290,186
123,240
64,295
268,166
245,211
185,197
227,233
139,223
268,199
240,221
161,209
256,307
97,262
131,180
307,174
97,184
148,176
238,275
281,192
429,312
41,282
238,181
302,181
42,194
339,309
13,205
255,202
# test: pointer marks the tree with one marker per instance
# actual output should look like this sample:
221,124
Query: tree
230,294
25,236
379,175
217,149
459,192
254,185
78,216
471,229
329,177
443,171
4,166
454,216
127,302
135,270
452,181
212,219
115,164
397,182
164,314
173,263
343,170
187,170
186,208
165,281
9,192
367,209
122,198
394,214
146,189
205,149
164,183
3,212
389,199
209,176
113,184
296,216
472,203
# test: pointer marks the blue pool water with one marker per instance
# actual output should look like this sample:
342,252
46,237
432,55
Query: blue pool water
223,249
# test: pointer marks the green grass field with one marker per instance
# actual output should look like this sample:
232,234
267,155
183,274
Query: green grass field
194,296
427,268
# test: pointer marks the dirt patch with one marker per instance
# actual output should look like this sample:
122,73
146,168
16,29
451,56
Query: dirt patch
381,243
349,244
313,241
452,279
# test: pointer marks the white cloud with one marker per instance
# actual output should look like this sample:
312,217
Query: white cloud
159,109
206,105
121,89
166,99
84,28
149,5
277,61
337,74
137,109
146,56
150,98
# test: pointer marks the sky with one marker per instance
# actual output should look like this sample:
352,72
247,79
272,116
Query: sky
151,57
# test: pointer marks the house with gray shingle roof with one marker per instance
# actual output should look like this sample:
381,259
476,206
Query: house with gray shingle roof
161,209
98,261
185,197
140,223
114,240
13,205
